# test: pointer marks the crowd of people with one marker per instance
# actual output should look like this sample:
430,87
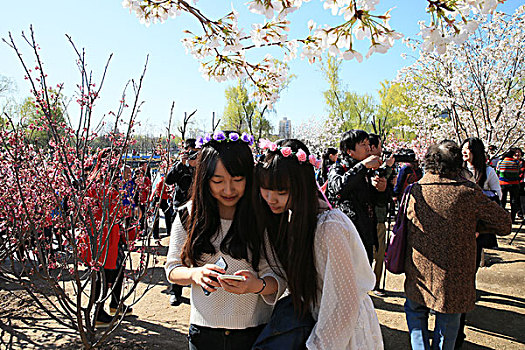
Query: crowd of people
281,249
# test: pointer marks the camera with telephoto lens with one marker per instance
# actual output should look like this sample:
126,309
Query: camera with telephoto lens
404,155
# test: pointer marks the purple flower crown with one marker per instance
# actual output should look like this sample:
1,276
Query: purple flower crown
286,152
220,136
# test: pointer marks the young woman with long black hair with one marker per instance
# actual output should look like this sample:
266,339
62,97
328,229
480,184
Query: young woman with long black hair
475,160
329,158
214,234
321,254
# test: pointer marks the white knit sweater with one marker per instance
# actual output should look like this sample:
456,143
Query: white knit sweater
222,309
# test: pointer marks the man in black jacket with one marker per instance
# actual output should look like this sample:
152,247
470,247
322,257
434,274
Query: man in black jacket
181,177
350,185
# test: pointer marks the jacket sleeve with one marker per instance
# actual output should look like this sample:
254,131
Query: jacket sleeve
492,182
498,168
347,277
381,198
342,183
178,236
491,217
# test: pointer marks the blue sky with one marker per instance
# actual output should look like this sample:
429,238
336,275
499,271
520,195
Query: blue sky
103,27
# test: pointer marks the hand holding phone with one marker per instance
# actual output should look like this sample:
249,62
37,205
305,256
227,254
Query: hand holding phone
232,277
243,282
221,263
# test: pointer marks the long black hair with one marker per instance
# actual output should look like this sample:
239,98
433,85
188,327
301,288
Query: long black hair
479,159
327,162
291,234
240,241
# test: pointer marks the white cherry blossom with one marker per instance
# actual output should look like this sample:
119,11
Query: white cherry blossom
475,86
222,43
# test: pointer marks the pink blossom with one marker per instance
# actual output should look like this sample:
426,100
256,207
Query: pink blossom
311,159
272,146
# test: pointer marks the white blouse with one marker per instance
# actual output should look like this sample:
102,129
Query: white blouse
345,314
492,182
222,309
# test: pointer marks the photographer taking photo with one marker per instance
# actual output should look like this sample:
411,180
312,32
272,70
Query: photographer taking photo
351,184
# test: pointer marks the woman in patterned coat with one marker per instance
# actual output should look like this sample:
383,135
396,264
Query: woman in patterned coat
446,212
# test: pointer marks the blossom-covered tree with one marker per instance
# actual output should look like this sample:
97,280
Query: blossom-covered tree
222,46
319,133
60,204
474,89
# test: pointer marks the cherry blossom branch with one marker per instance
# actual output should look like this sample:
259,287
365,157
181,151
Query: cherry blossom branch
226,43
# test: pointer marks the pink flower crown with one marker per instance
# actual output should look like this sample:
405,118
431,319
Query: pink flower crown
286,152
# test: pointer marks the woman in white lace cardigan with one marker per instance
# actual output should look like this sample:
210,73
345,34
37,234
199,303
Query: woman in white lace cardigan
319,249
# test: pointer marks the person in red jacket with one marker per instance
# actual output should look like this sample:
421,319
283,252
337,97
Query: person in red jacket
143,183
162,194
103,247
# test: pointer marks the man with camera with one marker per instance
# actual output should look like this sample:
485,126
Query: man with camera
409,173
351,184
181,177
381,199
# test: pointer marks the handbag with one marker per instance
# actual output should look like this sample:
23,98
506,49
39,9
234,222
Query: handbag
395,251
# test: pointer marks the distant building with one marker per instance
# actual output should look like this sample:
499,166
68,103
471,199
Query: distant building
285,128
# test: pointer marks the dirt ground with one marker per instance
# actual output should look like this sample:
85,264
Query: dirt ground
498,322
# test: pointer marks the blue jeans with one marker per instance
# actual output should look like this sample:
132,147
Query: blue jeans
445,330
286,329
204,338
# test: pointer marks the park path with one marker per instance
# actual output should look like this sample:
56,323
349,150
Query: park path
498,322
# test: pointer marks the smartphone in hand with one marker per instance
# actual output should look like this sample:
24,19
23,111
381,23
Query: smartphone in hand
223,265
233,277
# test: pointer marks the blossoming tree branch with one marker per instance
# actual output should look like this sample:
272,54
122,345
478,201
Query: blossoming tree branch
69,192
222,45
